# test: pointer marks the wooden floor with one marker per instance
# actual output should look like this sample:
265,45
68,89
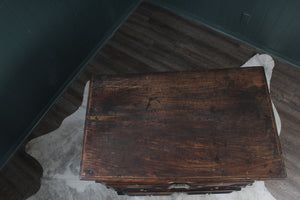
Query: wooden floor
154,39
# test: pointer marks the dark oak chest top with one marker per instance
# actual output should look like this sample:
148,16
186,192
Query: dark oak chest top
157,129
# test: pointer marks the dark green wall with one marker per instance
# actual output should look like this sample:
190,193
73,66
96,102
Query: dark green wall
273,26
43,46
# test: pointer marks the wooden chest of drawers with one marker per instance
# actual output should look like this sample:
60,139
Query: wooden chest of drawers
197,132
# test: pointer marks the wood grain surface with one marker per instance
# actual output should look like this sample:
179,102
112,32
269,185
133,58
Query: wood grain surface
181,126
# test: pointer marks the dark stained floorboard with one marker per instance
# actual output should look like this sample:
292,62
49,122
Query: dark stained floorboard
154,39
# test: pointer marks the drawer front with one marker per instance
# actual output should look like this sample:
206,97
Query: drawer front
168,188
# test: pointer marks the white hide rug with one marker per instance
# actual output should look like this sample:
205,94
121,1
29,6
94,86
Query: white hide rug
59,153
